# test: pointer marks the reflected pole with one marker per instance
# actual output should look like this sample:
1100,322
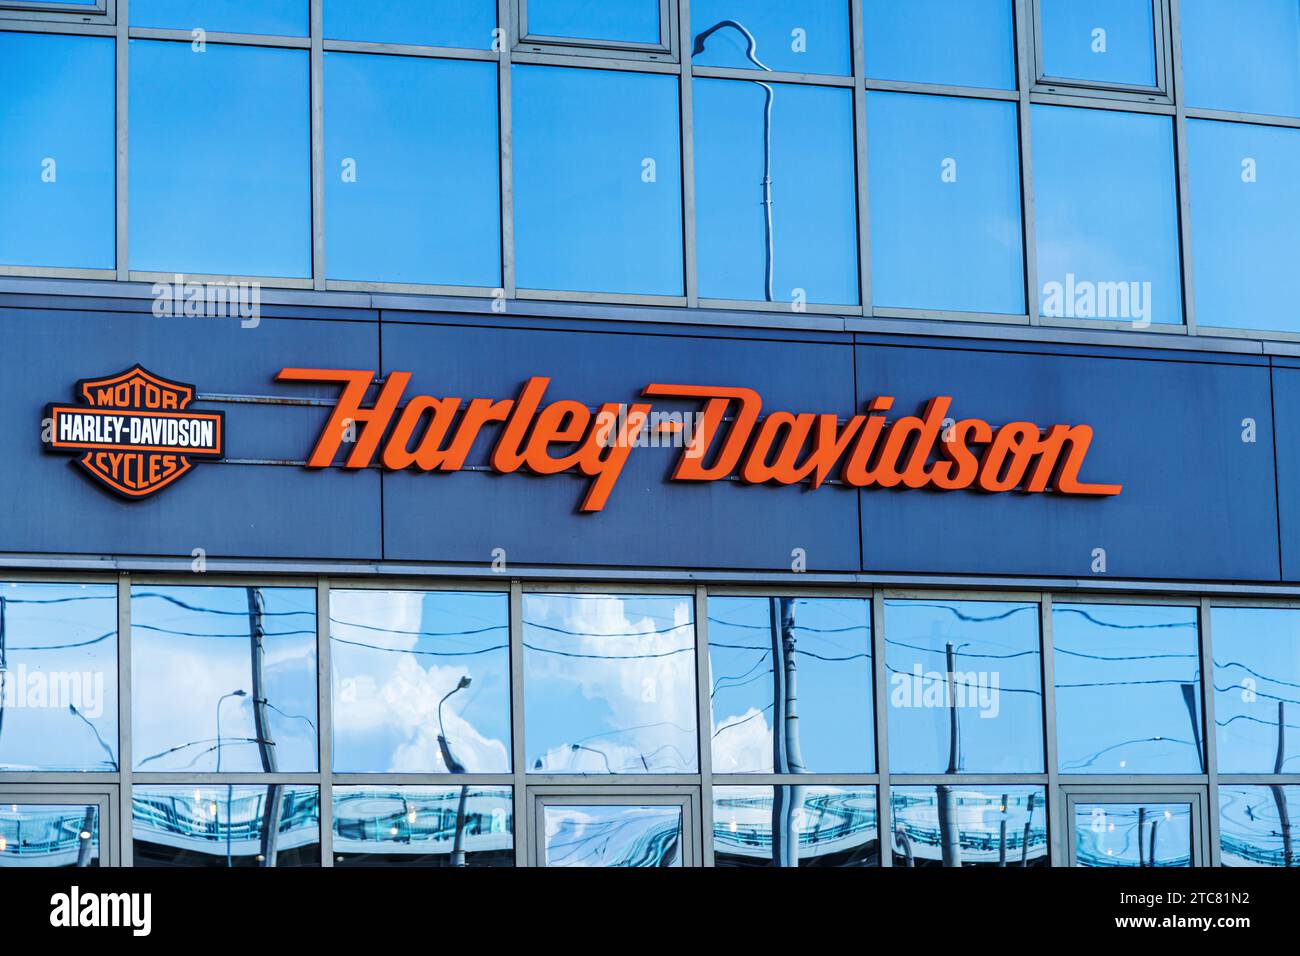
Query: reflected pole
1279,795
949,833
261,725
455,766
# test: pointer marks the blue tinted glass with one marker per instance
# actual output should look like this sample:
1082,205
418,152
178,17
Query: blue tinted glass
819,699
423,826
631,21
58,677
421,681
793,36
968,826
606,835
1128,689
227,132
463,23
275,17
1132,834
1256,677
953,42
1107,216
413,184
814,826
812,232
1101,41
56,151
598,181
609,684
223,679
1257,826
49,835
945,204
226,826
1242,56
1245,223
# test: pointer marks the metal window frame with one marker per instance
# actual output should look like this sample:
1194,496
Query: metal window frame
104,798
666,49
1160,92
103,12
1073,795
686,798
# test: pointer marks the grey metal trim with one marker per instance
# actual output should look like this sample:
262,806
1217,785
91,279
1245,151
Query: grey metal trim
594,61
325,719
57,273
772,76
1094,101
687,798
15,22
518,743
861,160
940,89
690,241
105,801
1232,116
1024,115
880,678
1055,832
1072,795
286,282
405,49
585,46
704,722
1209,732
317,107
212,36
1160,32
125,724
1182,175
121,139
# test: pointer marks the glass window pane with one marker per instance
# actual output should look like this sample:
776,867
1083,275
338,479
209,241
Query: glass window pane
1245,223
58,677
57,145
945,204
966,826
597,167
49,835
413,191
228,826
1132,834
1242,56
791,36
1257,826
1256,676
462,23
820,696
421,681
613,835
815,826
776,193
1101,41
609,683
951,42
223,679
274,17
1107,216
187,109
423,826
1128,694
629,21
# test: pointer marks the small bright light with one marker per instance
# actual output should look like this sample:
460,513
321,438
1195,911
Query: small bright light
733,827
84,834
1110,852
1123,763
213,808
1111,828
393,830
4,844
260,858
410,817
1168,815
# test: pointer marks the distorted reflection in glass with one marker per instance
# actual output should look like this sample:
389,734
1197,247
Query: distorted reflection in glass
1101,41
1128,689
965,687
462,23
1132,834
791,36
949,42
228,826
965,826
1256,682
609,683
630,21
613,835
421,681
423,826
819,699
49,835
1258,825
814,826
223,679
1239,57
58,677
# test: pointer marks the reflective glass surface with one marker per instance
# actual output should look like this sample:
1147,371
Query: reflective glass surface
613,835
814,826
945,203
223,679
632,21
791,36
413,191
965,687
951,42
1101,41
58,677
456,23
1127,689
609,683
57,182
423,826
1132,834
597,169
1256,678
421,681
197,203
819,698
274,17
1107,216
776,204
49,835
968,826
244,826
1242,56
1245,224
1257,826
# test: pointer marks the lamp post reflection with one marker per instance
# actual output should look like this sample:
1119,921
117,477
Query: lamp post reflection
454,766
108,751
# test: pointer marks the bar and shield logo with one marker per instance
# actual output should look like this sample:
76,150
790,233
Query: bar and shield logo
134,433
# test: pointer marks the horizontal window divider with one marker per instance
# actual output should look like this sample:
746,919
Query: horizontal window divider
771,76
1258,779
613,298
1091,100
940,89
409,49
450,780
786,307
796,780
206,579
139,779
1112,326
897,780
500,586
412,288
70,782
1277,339
10,22
1142,782
54,272
939,594
999,318
631,782
595,62
1232,116
213,36
281,282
